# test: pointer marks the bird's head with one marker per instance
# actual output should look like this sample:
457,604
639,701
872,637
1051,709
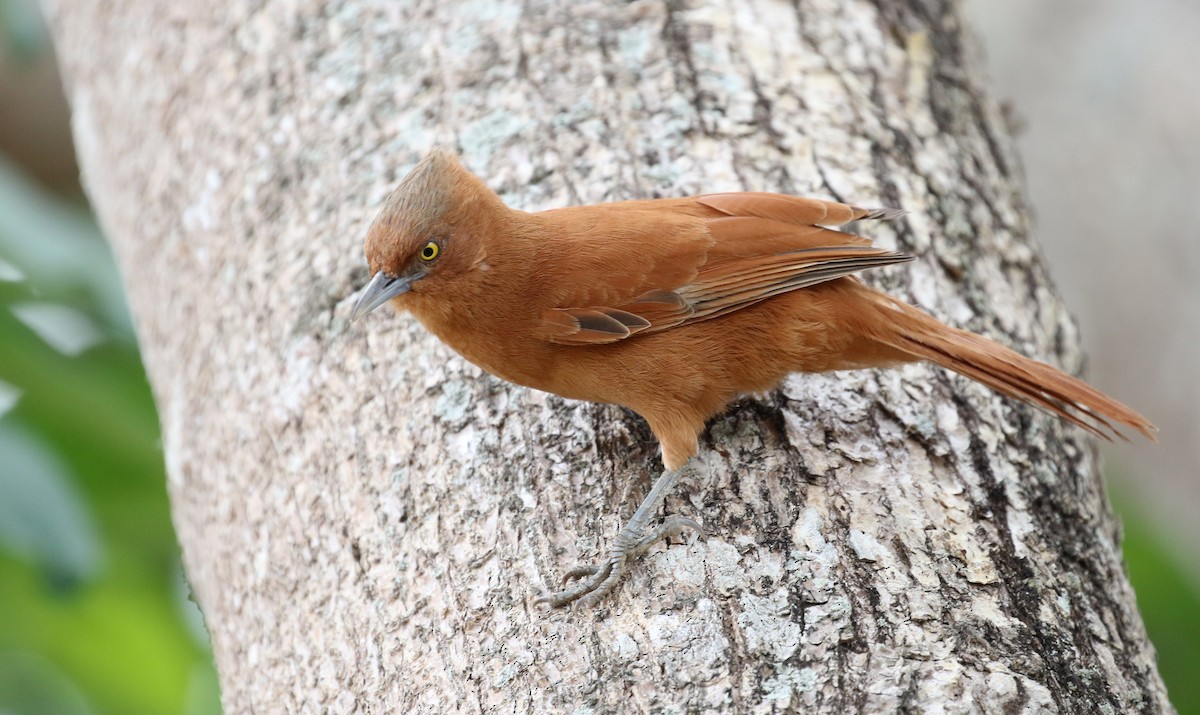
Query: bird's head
428,233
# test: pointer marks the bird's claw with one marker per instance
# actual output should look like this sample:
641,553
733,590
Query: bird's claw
579,572
597,580
674,525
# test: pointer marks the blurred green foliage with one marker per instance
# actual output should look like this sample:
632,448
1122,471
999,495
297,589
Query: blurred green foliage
95,616
22,31
1167,599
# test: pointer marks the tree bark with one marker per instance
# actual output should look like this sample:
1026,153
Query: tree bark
365,517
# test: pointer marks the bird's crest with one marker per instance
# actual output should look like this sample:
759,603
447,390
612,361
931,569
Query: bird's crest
424,196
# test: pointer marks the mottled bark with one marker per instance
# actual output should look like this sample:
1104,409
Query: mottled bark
365,517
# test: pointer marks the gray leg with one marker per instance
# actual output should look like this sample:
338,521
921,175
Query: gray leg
597,580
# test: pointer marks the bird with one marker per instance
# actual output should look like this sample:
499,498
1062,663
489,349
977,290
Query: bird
672,308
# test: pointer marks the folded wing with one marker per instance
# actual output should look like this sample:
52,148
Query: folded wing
756,246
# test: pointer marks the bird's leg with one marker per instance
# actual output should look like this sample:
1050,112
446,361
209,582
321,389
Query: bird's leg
598,579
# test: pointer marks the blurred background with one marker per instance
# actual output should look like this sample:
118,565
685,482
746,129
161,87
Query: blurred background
1106,98
94,613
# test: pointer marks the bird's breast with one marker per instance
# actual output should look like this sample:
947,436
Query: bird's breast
495,341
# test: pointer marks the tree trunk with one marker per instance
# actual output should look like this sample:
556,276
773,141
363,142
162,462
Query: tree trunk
366,518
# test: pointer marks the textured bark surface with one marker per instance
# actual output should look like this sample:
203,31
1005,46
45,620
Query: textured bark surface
365,517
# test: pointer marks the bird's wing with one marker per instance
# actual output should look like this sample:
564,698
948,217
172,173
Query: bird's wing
748,247
794,210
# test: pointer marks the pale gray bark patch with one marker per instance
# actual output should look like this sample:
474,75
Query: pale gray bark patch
365,517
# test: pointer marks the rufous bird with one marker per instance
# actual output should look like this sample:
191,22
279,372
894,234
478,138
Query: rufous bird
672,308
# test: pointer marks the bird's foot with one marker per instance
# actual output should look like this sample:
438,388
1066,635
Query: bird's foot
597,580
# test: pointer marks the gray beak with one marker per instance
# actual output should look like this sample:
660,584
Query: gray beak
381,289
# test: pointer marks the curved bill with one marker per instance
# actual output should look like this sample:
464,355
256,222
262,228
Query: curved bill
381,289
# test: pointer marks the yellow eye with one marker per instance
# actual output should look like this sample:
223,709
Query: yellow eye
430,251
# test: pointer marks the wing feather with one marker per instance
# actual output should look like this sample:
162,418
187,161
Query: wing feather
754,247
712,301
793,209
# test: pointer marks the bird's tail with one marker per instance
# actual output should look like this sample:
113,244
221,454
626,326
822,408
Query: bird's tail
916,333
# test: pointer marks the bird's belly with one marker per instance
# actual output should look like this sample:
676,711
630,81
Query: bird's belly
688,368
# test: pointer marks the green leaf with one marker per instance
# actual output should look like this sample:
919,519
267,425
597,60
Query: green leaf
63,328
57,247
31,685
42,517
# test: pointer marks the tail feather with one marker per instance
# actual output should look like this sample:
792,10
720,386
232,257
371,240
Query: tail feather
911,331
